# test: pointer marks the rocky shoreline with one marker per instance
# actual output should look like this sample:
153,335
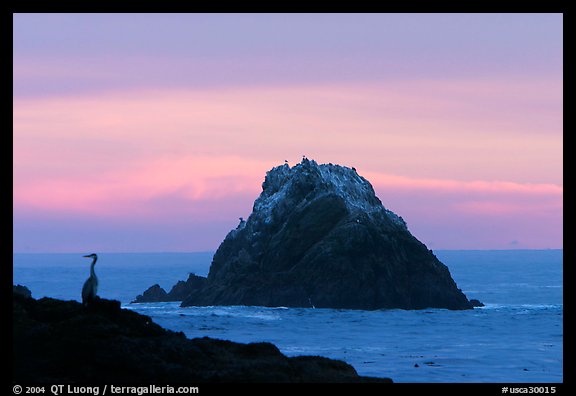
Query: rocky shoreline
57,341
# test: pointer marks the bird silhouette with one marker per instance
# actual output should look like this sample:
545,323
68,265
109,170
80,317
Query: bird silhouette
90,288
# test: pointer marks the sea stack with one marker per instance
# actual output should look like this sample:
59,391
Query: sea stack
318,236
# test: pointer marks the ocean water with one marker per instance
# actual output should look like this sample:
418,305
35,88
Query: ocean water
516,337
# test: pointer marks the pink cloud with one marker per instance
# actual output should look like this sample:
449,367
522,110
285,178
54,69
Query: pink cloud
132,193
476,186
477,198
504,208
416,129
432,150
452,214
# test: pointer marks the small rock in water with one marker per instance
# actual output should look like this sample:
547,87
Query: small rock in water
476,303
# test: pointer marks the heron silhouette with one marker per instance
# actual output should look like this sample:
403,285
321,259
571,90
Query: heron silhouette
90,287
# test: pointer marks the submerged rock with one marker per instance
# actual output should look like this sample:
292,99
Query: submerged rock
57,341
319,236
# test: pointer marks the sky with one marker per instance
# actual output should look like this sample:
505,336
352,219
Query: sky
153,132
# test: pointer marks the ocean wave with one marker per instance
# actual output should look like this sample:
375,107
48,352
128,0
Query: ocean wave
489,306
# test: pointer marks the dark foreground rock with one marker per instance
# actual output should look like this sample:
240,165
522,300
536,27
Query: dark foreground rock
319,236
21,290
59,341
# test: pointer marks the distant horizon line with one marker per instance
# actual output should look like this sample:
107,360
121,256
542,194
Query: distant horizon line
214,251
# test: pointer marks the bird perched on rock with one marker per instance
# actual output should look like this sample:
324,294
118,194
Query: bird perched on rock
90,288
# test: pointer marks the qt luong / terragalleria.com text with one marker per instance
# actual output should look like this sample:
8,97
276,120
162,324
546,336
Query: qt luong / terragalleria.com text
122,390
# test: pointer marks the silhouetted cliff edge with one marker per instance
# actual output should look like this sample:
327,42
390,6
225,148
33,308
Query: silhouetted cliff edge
63,342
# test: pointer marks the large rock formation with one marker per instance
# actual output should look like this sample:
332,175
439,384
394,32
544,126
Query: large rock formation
319,236
61,342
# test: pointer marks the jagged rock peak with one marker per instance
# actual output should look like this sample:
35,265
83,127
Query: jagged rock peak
309,179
